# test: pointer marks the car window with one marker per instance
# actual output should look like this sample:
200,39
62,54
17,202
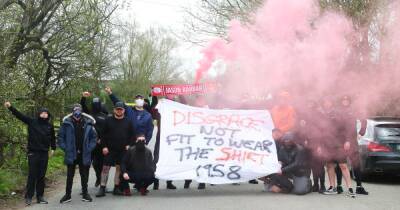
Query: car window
387,132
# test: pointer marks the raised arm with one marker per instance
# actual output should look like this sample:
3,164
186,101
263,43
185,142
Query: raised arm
113,97
17,114
83,102
128,110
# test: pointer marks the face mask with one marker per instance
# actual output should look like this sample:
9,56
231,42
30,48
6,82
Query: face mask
77,114
140,145
96,107
139,102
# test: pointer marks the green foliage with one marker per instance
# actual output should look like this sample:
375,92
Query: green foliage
13,174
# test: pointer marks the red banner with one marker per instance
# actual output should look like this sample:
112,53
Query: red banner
185,89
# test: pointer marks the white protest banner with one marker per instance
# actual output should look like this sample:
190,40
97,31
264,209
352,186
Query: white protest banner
215,146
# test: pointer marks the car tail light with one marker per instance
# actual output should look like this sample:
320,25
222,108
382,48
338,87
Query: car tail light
375,147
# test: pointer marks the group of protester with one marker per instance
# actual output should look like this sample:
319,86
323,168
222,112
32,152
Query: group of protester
306,142
318,135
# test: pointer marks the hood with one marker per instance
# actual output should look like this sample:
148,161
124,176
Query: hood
89,119
41,110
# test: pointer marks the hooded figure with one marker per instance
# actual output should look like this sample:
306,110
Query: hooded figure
138,166
41,137
99,113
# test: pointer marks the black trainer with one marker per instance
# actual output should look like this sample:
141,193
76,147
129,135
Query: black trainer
351,193
41,200
28,201
360,190
117,191
315,188
65,199
201,186
156,184
330,191
170,186
187,184
101,192
86,197
322,189
253,181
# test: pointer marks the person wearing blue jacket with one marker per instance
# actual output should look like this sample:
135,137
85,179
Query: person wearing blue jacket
141,119
77,138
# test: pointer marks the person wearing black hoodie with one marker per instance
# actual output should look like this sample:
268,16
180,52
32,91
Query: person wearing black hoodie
99,114
138,167
41,137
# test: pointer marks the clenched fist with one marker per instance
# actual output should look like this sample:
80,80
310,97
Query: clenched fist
126,176
108,90
86,94
7,104
105,151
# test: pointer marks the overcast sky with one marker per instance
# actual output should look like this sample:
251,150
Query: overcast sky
167,14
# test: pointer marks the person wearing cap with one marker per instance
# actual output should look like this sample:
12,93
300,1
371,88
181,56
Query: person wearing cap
141,120
77,138
295,172
118,135
41,137
99,113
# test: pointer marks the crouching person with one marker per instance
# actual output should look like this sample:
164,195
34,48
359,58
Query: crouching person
138,167
295,173
77,137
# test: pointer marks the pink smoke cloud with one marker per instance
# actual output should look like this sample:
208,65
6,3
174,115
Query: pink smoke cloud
293,45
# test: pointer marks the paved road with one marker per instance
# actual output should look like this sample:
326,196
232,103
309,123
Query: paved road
385,194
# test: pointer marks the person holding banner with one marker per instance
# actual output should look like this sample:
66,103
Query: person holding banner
157,116
119,134
41,137
141,119
138,167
